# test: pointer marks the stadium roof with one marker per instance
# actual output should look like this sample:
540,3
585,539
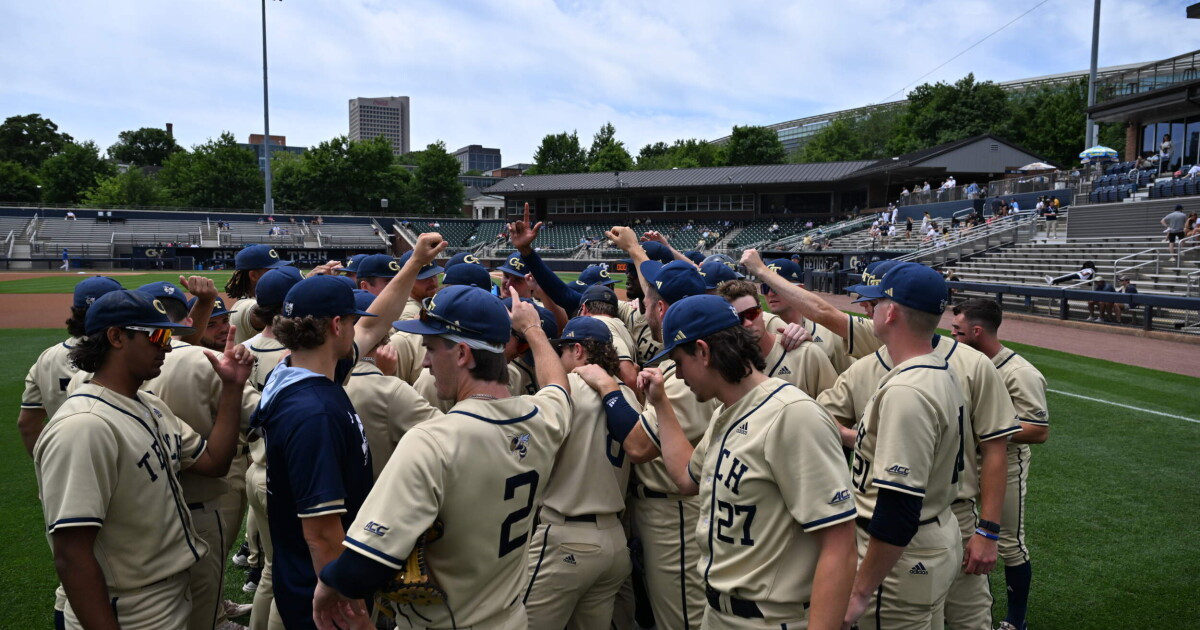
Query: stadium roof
690,178
915,158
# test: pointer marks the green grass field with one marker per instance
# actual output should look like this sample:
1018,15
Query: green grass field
1109,499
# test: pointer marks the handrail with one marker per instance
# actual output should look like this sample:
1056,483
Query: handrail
1180,251
1117,272
11,239
960,238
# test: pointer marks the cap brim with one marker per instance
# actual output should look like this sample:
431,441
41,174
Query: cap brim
429,272
607,283
363,313
867,293
417,327
280,263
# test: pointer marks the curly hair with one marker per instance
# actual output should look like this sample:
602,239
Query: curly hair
734,352
89,354
75,322
602,354
238,286
300,333
264,313
734,289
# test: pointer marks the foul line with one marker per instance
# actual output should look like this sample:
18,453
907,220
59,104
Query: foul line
1117,404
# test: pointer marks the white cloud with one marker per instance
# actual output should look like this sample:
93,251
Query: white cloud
506,73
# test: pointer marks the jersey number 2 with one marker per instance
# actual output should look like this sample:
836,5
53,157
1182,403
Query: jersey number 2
508,544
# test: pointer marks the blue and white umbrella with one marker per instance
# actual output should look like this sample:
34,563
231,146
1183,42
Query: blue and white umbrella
1099,153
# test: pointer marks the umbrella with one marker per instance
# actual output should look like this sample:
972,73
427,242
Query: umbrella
1037,166
1099,153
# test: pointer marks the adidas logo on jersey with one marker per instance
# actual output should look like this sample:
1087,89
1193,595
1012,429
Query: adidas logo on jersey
818,339
840,497
899,470
784,370
918,569
569,559
744,429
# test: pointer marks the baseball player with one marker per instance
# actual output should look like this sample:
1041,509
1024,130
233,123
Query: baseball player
777,540
474,476
350,269
188,385
715,273
805,366
47,380
977,324
522,372
250,264
515,276
107,469
409,353
217,329
387,406
318,459
269,294
462,257
908,455
578,559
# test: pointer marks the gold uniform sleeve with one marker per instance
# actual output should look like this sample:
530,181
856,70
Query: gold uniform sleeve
839,399
1027,388
410,354
77,468
992,413
804,450
241,318
696,463
31,398
907,441
860,338
819,374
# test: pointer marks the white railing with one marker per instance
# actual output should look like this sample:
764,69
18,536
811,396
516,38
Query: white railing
1118,271
9,241
1020,228
1180,250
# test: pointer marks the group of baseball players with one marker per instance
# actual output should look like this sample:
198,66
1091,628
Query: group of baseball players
407,447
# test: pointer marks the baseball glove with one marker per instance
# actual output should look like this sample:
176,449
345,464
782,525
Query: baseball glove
414,584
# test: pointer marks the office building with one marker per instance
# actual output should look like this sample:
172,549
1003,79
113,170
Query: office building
477,158
385,116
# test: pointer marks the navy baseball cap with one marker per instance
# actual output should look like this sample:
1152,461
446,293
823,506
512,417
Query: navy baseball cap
164,291
513,265
353,263
462,257
258,257
693,318
363,299
274,285
469,274
582,329
321,296
715,272
674,280
910,284
219,307
344,280
873,274
378,266
549,322
594,274
658,251
786,268
428,271
598,293
464,311
694,256
126,308
89,290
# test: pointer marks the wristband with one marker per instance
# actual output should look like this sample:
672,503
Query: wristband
525,329
621,417
986,534
990,526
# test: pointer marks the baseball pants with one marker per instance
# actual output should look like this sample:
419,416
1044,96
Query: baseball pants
256,494
207,577
164,605
913,594
1012,524
576,570
969,603
667,527
717,620
233,503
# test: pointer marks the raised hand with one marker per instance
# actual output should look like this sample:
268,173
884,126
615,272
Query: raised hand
650,380
233,365
522,234
428,246
596,378
524,315
792,336
752,260
199,286
623,237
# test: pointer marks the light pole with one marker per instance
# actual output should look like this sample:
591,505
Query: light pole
269,203
1091,138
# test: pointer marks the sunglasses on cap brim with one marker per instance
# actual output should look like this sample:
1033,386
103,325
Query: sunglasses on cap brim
160,337
428,316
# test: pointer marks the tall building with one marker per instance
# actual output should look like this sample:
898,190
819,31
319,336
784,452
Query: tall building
477,158
278,144
385,116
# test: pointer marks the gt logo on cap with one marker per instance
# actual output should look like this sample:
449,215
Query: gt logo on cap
603,273
272,253
158,306
516,263
394,266
469,258
288,307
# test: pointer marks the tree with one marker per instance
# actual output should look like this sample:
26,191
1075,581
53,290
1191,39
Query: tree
941,113
603,138
216,174
131,188
148,146
435,186
1049,120
339,175
68,176
654,157
690,153
559,153
474,173
29,140
837,142
612,158
754,145
17,183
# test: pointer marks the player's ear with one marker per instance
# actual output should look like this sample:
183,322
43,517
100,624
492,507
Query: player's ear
116,337
463,357
703,353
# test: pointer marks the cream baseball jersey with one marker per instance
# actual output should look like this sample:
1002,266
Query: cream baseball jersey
427,388
268,352
771,471
112,462
639,330
522,379
480,471
622,341
412,310
240,317
693,416
832,345
592,472
48,377
1026,387
806,367
861,339
410,355
388,408
911,438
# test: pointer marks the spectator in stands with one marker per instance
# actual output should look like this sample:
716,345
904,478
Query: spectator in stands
1086,272
904,195
1050,214
1106,308
1125,286
70,216
1142,163
1191,227
972,190
908,227
1174,223
925,190
1164,154
66,258
1194,171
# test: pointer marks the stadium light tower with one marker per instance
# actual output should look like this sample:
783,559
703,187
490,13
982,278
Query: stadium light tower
1091,138
268,203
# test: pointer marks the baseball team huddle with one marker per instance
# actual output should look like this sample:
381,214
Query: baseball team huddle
407,447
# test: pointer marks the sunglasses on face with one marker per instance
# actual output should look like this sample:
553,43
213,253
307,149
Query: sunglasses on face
750,314
160,337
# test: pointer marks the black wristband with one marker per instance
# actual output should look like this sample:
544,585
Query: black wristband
989,526
621,417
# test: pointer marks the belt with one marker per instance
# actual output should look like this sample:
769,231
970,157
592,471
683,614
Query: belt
246,450
582,518
195,506
743,608
863,521
642,491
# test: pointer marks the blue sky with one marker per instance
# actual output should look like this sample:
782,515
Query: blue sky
504,74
